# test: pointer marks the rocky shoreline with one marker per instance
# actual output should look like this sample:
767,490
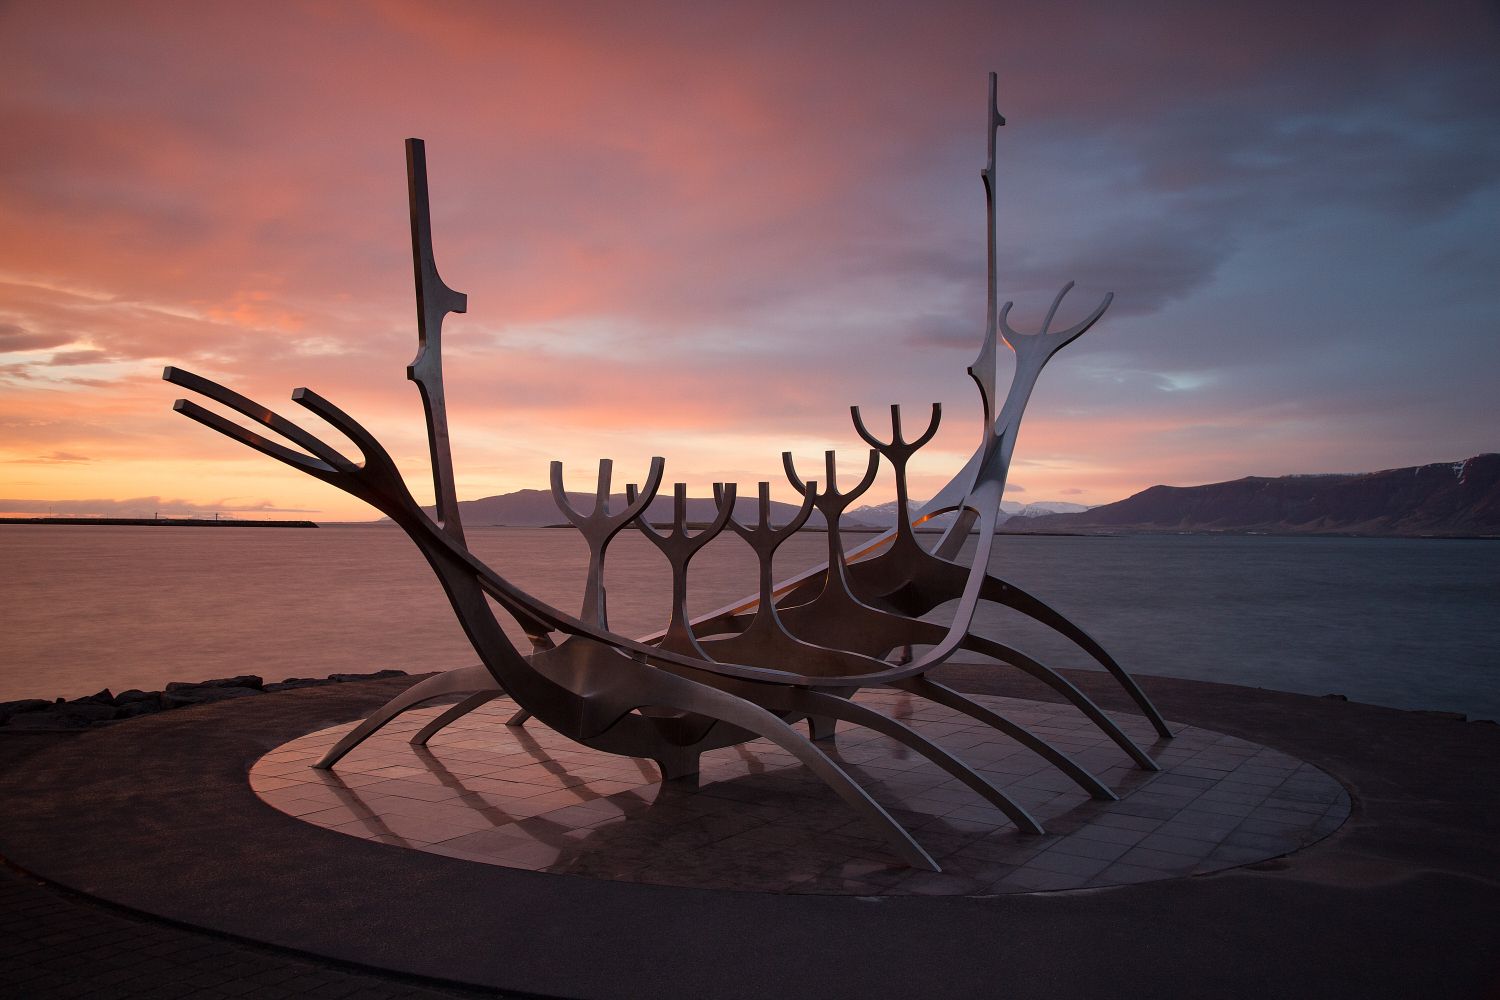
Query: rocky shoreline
39,714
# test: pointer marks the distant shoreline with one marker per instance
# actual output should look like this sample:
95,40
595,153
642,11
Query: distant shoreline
1126,530
162,522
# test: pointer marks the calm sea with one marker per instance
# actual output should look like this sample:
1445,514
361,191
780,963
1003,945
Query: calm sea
1406,623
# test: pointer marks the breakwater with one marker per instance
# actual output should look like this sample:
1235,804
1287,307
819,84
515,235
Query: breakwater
161,522
105,707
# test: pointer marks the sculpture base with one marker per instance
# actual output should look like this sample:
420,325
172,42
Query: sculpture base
155,818
755,820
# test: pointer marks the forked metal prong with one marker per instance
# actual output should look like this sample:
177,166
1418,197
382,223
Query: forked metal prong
599,527
1046,340
373,452
247,437
679,545
831,494
261,414
1056,301
897,445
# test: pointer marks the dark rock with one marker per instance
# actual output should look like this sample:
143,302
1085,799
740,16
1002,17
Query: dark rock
377,675
183,695
242,681
78,714
180,695
8,709
47,720
292,683
87,708
1336,697
37,713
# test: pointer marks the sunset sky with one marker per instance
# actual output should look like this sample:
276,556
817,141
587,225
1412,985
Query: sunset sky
703,230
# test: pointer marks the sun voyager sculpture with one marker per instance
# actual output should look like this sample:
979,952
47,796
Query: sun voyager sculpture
796,650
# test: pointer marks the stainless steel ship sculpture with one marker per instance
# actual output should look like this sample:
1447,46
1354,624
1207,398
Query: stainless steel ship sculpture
798,649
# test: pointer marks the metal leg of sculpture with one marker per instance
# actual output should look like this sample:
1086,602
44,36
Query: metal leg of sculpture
1011,596
677,765
931,580
539,643
452,715
463,680
1064,687
949,698
672,691
848,711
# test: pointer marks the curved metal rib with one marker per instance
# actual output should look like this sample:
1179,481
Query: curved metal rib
736,711
1064,687
818,704
255,411
1011,596
949,698
927,581
453,714
250,439
464,679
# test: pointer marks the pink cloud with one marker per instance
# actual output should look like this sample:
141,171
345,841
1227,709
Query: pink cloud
723,222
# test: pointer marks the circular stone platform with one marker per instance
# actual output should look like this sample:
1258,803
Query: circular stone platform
756,820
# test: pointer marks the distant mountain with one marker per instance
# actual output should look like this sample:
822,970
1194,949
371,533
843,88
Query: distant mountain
884,514
535,509
1044,507
1445,499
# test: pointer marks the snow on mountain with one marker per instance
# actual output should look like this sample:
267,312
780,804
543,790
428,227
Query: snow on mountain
884,514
